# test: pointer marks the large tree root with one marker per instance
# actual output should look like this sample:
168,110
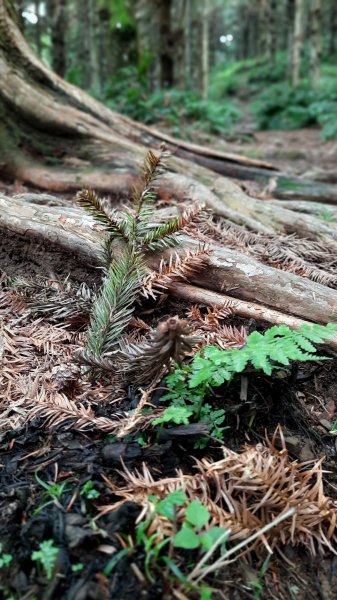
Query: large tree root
56,137
249,310
228,271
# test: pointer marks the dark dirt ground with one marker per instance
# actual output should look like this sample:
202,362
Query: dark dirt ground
303,403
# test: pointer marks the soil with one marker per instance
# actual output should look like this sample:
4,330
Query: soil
35,454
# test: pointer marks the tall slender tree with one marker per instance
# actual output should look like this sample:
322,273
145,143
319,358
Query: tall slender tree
57,18
297,41
205,48
315,41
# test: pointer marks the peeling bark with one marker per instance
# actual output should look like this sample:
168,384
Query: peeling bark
228,271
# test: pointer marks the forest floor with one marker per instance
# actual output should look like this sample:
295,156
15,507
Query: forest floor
44,489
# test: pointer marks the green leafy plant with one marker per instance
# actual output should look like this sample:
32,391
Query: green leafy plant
193,533
5,558
334,428
88,491
77,567
258,584
328,216
285,107
190,384
45,557
124,273
52,493
128,93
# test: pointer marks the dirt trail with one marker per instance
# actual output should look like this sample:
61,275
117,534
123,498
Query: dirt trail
301,151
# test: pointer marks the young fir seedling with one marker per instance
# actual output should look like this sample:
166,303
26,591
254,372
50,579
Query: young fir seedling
134,229
45,557
211,367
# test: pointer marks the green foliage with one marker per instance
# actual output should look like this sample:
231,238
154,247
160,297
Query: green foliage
211,367
52,493
119,13
77,567
5,558
334,428
180,415
127,93
285,107
46,556
246,77
187,405
114,306
88,491
194,533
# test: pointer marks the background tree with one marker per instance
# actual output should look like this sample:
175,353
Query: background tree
315,42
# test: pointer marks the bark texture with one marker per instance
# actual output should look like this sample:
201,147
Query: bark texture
228,271
57,138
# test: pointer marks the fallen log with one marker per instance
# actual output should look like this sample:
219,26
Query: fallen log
227,271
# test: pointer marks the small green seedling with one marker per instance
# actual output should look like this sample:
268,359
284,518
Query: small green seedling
194,534
5,559
333,429
77,567
166,508
45,557
53,491
258,584
327,215
88,491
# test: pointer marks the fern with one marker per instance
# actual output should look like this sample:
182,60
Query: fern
211,367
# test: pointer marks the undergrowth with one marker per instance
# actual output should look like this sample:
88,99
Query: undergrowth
285,107
128,94
211,367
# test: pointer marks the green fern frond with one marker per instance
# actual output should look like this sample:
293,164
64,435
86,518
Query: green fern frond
276,347
114,307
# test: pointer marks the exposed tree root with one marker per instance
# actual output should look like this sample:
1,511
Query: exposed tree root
228,270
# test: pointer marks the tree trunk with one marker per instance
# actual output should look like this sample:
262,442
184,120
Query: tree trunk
188,43
58,24
166,45
297,42
289,30
315,41
205,49
272,30
332,29
263,18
